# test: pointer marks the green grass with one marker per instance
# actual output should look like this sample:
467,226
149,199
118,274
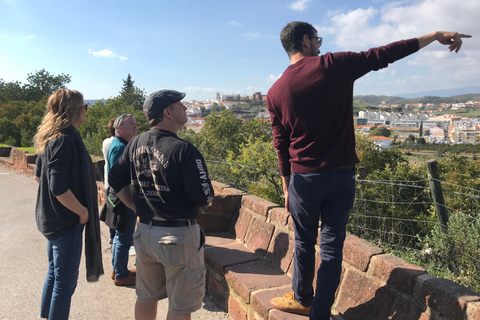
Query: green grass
28,149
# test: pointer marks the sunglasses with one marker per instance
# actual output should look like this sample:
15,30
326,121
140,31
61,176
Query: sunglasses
85,106
319,41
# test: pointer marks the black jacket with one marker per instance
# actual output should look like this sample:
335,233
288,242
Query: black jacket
168,174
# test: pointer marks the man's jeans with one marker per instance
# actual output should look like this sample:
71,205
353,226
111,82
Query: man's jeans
328,195
121,247
63,261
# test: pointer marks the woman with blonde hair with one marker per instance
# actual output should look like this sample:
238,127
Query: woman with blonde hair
66,201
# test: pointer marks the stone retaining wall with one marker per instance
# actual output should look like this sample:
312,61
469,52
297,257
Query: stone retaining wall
251,262
249,251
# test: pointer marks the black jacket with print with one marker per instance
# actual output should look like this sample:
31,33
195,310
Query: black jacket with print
168,174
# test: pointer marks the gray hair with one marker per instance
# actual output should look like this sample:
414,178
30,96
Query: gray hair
120,121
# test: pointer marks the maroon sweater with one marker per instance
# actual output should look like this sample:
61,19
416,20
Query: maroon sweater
311,107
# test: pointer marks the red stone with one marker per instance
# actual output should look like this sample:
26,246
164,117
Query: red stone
280,315
358,252
259,235
218,292
242,224
235,310
257,204
446,298
248,277
360,297
396,272
220,257
260,301
281,249
473,311
279,215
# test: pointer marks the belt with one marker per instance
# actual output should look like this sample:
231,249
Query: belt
171,224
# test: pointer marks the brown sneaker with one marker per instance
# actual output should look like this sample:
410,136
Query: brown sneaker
289,304
133,273
128,281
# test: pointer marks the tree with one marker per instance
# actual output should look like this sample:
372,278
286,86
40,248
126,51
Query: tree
421,141
131,94
380,131
42,83
421,129
411,139
11,91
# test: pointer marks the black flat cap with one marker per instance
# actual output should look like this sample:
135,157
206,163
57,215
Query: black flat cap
159,100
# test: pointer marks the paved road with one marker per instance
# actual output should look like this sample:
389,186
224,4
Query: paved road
23,264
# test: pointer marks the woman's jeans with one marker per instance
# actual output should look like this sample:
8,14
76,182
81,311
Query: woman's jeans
121,246
63,261
328,195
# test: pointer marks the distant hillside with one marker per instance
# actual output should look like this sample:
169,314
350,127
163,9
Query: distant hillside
443,93
376,100
92,102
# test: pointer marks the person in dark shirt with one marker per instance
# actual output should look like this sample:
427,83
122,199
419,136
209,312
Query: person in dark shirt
66,201
125,129
165,181
311,109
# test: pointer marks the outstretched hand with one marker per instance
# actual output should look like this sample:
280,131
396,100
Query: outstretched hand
453,39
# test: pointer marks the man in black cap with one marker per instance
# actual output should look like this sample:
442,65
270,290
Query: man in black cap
165,181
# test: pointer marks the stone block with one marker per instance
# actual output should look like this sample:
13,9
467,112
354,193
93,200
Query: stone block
279,215
214,222
260,301
257,204
406,307
259,235
281,249
5,151
473,311
242,224
280,315
218,292
358,252
218,239
31,158
236,311
446,298
224,204
218,187
361,297
290,224
396,272
248,277
218,258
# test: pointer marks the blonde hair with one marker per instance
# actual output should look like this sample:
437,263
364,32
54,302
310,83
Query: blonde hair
63,107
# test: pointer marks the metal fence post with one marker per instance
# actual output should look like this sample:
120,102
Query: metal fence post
437,195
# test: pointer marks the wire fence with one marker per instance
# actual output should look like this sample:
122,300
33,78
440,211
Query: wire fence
399,216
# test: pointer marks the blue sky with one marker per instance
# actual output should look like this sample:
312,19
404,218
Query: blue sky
227,46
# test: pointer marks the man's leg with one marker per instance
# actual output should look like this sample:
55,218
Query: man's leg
305,198
335,212
171,316
305,210
146,310
120,251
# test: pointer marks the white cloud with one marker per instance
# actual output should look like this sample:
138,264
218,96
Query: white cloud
273,78
106,53
361,29
235,23
245,60
252,35
299,5
30,36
